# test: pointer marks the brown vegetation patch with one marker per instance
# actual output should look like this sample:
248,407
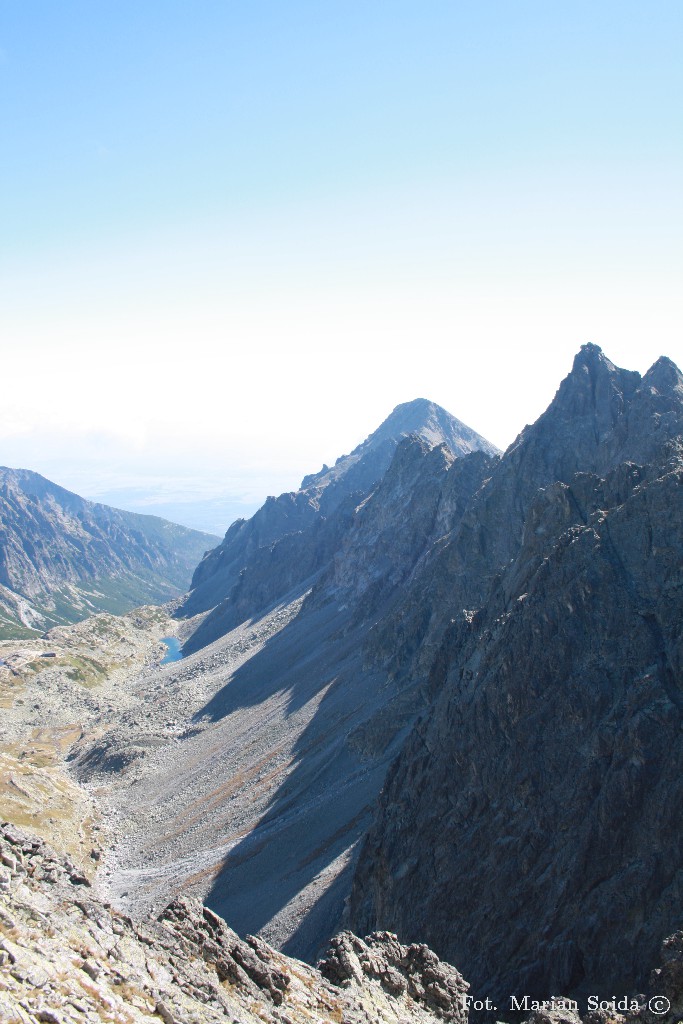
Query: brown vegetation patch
223,792
43,800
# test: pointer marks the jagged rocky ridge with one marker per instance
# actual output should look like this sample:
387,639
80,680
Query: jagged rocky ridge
530,828
67,956
63,558
292,538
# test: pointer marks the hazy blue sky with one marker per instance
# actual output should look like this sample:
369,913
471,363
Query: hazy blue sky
235,234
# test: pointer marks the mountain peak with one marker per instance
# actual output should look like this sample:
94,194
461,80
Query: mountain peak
351,479
664,376
417,407
594,387
602,415
589,352
421,417
591,359
431,422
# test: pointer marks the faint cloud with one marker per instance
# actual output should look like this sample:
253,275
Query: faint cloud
13,424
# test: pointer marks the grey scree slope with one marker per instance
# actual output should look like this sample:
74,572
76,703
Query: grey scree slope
245,773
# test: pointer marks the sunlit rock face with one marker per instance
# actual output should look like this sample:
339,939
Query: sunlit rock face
67,956
63,558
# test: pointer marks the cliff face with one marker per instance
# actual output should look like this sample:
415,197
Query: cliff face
529,829
601,416
293,538
527,607
63,558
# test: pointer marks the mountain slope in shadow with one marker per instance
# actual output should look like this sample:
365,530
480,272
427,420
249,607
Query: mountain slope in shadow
260,803
538,804
293,537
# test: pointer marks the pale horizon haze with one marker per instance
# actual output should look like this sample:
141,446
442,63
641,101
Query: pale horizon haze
236,236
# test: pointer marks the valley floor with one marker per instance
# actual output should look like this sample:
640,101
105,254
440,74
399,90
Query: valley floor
158,773
54,691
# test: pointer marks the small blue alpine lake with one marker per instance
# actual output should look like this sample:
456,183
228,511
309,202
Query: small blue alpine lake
174,652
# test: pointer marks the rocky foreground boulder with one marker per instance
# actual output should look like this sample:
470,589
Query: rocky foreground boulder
67,956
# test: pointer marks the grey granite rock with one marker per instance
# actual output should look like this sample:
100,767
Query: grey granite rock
293,537
530,828
66,958
414,971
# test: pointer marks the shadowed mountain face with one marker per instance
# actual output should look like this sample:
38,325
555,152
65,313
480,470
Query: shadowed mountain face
600,417
261,806
354,717
293,538
473,671
530,828
63,558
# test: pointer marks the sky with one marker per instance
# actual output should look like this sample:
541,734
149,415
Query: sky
234,235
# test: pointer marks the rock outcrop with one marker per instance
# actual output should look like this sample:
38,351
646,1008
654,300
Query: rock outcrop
412,971
292,538
663,1000
538,803
63,558
66,956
